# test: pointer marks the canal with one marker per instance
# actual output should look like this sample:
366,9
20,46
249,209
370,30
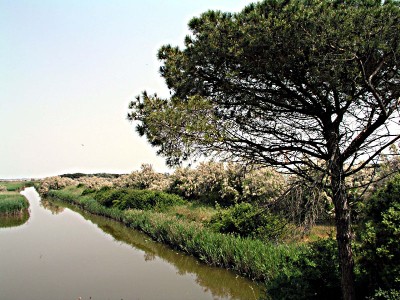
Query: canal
60,252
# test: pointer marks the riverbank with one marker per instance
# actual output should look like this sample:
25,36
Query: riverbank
249,257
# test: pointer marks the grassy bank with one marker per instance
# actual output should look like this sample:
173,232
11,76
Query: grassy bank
11,202
249,257
14,186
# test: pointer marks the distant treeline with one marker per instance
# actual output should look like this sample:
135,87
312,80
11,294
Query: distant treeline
101,175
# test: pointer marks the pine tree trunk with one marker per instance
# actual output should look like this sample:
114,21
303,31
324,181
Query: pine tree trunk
344,235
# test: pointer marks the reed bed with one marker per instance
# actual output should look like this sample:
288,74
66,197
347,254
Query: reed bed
12,203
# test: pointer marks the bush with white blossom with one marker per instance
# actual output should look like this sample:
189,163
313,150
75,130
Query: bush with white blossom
210,182
55,183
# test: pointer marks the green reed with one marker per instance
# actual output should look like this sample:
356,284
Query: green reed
252,258
12,203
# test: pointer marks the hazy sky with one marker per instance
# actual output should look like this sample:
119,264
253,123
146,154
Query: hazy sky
68,70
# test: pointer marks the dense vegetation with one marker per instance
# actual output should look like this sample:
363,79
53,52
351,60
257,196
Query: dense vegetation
380,241
14,186
255,240
11,202
250,257
308,86
125,198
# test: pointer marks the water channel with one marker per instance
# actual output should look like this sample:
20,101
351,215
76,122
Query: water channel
63,253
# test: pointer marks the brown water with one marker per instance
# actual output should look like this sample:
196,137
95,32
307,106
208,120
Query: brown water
62,254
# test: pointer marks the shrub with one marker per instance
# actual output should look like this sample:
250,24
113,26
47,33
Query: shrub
247,220
54,183
380,236
138,199
314,274
145,200
94,182
146,178
107,196
386,295
87,191
227,184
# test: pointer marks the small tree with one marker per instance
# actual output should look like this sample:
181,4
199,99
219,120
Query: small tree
309,86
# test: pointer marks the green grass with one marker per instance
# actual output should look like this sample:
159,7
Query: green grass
12,203
14,186
193,211
251,258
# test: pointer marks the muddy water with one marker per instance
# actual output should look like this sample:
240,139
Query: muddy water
61,253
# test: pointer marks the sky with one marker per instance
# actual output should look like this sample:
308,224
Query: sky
68,70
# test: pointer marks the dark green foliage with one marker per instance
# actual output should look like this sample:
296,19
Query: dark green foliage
247,220
61,194
79,175
386,294
106,196
73,175
302,69
87,191
145,199
380,239
314,274
137,199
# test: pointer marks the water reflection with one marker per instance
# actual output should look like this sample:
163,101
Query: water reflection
14,220
220,282
51,206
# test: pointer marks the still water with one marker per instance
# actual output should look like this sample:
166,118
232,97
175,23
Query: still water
63,253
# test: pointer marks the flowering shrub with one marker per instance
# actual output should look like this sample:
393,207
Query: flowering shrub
95,183
55,183
146,178
121,181
262,184
210,182
247,220
227,184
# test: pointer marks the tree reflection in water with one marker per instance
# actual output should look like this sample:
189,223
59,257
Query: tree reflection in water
51,206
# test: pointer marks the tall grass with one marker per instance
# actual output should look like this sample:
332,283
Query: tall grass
251,258
12,203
